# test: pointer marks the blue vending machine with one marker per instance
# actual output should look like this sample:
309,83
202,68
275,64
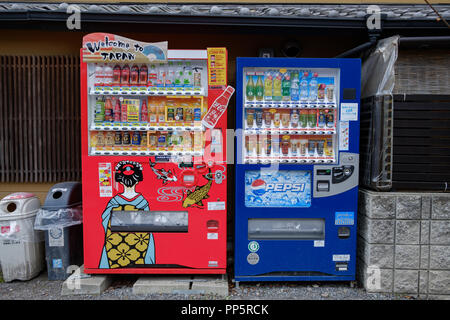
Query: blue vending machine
297,156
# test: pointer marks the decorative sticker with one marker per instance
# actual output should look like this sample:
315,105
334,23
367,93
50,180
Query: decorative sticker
56,237
253,246
349,111
219,205
344,218
253,258
105,179
217,67
319,243
341,257
343,135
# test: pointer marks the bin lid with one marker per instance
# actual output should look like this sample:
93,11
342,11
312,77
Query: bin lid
19,204
63,195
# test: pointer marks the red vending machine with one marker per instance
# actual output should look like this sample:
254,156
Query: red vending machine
153,157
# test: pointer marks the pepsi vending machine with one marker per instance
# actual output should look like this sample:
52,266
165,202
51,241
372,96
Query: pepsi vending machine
297,156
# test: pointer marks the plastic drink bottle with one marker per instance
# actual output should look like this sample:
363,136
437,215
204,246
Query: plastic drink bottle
161,78
179,75
304,87
250,88
259,89
268,84
286,87
170,74
134,75
295,86
313,88
108,75
144,112
125,76
277,87
124,111
116,75
108,110
99,113
143,75
188,76
152,76
98,72
117,116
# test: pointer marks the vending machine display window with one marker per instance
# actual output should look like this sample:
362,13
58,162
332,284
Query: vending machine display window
278,188
290,115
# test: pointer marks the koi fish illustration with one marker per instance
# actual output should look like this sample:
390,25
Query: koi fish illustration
163,174
197,196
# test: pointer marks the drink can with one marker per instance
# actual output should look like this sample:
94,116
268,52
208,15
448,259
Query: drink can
268,144
303,120
285,145
276,119
250,115
312,118
251,144
179,114
267,118
197,114
259,118
330,92
302,148
136,138
311,147
294,147
328,147
152,141
162,141
285,119
109,140
320,144
126,140
276,146
294,118
258,145
170,114
322,120
100,140
330,119
117,139
144,140
188,114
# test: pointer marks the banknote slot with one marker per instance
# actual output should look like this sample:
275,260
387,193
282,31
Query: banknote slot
149,221
286,229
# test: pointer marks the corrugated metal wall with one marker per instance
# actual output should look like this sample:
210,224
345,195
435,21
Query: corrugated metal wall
39,119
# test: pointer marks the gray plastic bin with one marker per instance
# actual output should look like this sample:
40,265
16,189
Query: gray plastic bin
61,219
21,247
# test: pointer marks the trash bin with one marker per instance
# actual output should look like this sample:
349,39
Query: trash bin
21,247
61,220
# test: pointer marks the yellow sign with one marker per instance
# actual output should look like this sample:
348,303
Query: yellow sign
217,67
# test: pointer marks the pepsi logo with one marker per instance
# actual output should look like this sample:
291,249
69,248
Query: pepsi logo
258,187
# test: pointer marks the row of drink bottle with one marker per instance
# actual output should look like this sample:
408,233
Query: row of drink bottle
290,118
288,146
172,74
141,141
158,111
287,85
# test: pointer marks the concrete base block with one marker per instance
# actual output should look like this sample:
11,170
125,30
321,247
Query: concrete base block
210,285
80,283
192,284
162,284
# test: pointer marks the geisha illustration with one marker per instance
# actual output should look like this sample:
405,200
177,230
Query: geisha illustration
126,249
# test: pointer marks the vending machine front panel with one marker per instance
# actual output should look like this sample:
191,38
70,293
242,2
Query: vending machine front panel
154,180
296,169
